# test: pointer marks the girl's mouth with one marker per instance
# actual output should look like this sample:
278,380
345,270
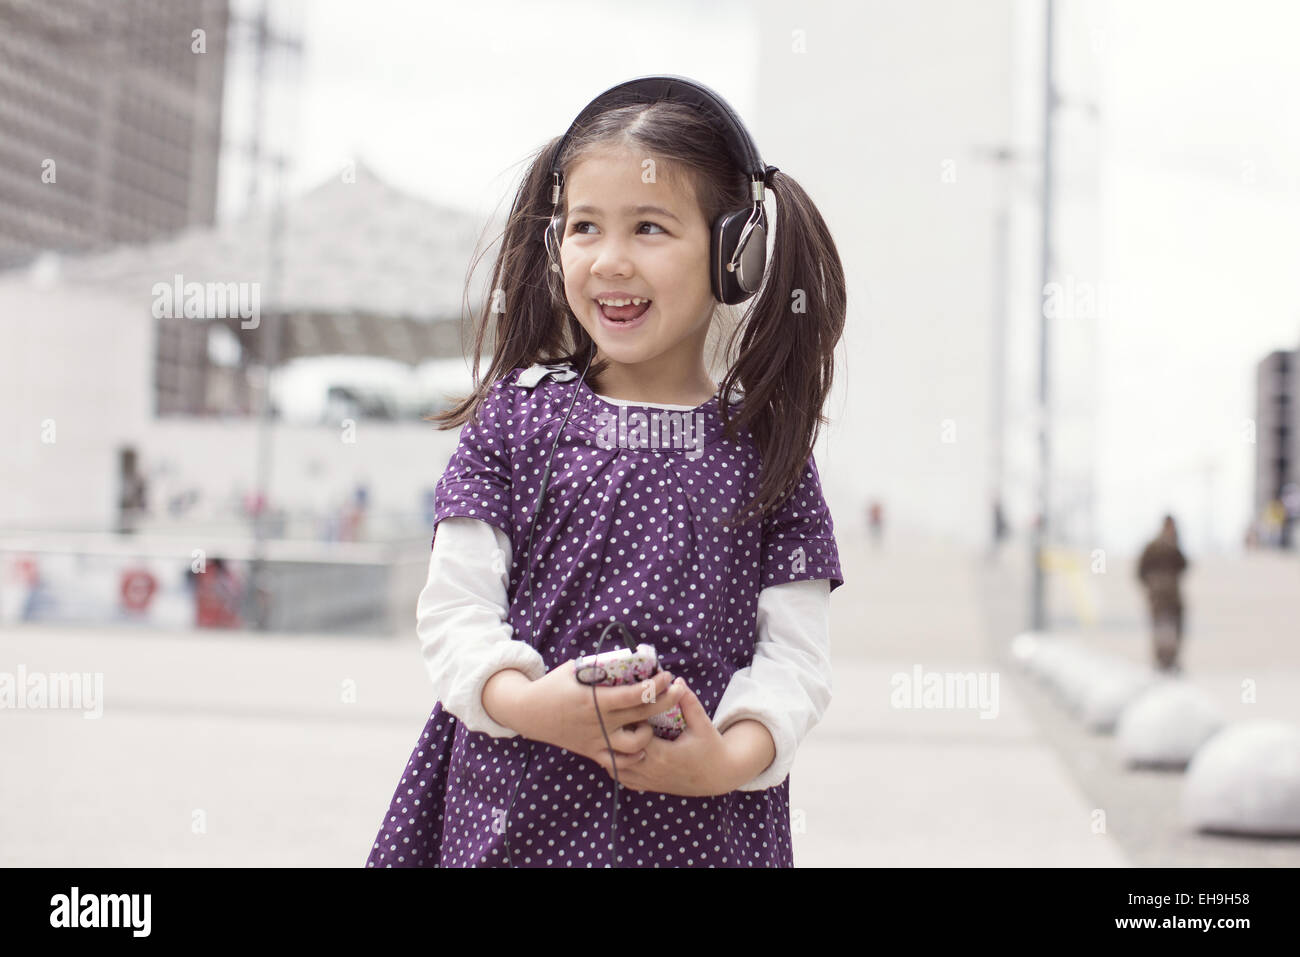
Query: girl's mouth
623,317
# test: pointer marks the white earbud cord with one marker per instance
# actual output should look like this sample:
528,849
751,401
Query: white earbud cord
528,557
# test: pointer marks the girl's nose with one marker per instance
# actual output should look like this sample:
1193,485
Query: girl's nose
612,260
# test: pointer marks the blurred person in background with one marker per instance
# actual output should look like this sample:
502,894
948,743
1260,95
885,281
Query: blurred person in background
1159,569
1290,514
353,518
133,496
1000,529
1274,519
218,596
876,522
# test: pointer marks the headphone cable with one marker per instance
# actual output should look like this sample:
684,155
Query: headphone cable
541,496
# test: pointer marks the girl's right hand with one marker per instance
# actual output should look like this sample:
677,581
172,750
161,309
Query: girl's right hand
559,710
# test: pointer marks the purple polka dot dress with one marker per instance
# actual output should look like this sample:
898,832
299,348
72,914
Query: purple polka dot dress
629,531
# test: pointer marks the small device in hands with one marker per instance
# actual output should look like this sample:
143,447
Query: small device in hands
624,666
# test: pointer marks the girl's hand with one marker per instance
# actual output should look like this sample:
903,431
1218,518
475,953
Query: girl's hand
558,709
696,764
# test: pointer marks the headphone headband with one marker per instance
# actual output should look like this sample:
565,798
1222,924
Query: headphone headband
738,240
652,89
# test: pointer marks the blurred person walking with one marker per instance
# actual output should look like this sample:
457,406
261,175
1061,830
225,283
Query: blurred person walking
1290,514
876,522
1159,569
1000,530
218,596
1274,520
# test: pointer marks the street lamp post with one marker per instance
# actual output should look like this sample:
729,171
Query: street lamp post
1040,528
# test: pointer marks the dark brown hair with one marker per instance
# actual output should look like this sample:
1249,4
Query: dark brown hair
787,336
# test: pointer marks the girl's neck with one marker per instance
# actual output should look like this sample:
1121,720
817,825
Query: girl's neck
666,386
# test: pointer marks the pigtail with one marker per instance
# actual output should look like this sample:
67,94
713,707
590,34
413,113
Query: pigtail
786,360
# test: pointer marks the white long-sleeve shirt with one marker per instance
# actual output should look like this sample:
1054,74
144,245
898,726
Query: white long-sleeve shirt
461,621
465,640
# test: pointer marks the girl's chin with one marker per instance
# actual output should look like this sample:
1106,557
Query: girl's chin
611,340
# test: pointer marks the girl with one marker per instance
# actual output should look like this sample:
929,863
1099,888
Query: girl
602,476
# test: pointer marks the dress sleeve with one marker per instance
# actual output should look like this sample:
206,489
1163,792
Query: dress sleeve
787,687
461,621
476,482
799,538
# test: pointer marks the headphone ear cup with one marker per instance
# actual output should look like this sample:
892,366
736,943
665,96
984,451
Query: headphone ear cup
734,287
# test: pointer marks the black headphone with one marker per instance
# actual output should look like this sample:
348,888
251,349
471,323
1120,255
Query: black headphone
738,247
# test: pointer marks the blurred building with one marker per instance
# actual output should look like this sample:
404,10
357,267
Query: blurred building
111,120
1277,428
930,186
140,365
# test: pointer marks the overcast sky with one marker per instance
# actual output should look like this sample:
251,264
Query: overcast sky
1202,245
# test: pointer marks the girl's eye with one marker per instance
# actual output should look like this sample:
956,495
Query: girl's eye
577,227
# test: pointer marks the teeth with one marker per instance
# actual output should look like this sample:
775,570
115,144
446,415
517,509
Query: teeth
621,302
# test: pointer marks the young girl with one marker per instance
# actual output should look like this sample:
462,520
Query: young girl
689,512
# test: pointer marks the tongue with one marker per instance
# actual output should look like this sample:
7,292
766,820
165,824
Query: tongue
624,313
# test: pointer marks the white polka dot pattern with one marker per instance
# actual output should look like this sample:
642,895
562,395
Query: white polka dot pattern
626,534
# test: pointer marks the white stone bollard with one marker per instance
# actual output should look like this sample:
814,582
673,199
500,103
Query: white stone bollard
1107,698
1246,780
1166,724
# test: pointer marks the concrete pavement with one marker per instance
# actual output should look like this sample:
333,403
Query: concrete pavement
214,749
1240,636
922,787
243,749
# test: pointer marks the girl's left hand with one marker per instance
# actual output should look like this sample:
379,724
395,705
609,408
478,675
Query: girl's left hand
695,764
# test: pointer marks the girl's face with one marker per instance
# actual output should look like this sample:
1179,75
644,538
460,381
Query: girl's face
613,243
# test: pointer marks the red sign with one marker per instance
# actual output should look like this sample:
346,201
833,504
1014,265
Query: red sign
137,589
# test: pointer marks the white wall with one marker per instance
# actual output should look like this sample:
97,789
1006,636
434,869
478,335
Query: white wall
885,100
